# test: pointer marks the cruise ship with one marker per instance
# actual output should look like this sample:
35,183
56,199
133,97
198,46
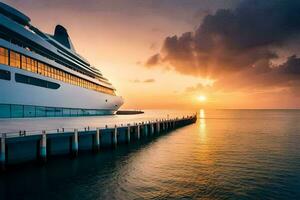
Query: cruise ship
41,75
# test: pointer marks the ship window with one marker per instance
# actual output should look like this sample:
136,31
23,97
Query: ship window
4,110
3,56
40,111
80,112
46,70
29,111
4,75
20,111
40,67
58,112
66,112
43,69
23,60
35,81
52,73
74,112
55,74
32,65
17,111
50,112
15,59
28,64
61,75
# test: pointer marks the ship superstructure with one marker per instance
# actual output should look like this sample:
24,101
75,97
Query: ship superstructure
41,75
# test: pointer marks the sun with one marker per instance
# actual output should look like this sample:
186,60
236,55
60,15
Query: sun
201,98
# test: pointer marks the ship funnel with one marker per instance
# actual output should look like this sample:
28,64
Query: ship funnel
61,35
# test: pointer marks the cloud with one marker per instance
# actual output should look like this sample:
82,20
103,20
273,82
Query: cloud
150,80
136,81
153,60
239,46
198,87
153,46
291,67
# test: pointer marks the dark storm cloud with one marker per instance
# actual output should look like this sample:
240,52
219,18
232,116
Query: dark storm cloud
237,40
292,66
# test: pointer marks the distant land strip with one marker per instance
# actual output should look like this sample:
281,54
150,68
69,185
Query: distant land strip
129,112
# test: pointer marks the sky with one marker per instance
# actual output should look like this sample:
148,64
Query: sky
164,54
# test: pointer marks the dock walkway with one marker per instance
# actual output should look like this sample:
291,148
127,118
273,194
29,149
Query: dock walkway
16,148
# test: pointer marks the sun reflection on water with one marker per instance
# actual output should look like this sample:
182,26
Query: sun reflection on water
202,119
202,124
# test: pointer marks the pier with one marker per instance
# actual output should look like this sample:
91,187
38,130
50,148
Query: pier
22,147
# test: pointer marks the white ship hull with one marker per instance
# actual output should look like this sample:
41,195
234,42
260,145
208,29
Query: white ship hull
66,96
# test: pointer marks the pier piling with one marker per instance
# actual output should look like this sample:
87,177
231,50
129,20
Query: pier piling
2,151
115,137
151,129
138,132
128,134
75,143
43,147
97,141
146,130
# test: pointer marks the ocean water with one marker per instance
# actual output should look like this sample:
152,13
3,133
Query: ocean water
227,154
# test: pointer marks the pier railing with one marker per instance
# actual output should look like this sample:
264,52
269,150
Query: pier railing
23,146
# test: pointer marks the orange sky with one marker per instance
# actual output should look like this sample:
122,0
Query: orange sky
119,40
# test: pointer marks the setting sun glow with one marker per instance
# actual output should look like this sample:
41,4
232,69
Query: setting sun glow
201,98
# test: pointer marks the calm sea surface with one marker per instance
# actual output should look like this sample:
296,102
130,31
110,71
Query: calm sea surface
227,154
